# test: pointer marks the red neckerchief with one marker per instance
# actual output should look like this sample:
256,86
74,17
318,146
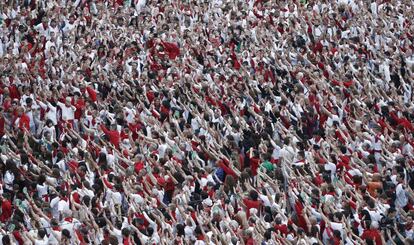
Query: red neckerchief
69,219
126,241
80,237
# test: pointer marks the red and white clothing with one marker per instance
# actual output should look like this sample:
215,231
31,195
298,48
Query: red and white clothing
68,112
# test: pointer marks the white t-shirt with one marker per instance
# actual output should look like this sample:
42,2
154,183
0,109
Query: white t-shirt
43,31
44,241
42,190
63,206
51,112
68,112
161,150
375,215
130,115
114,198
54,206
8,180
401,200
331,167
189,232
70,226
336,227
62,165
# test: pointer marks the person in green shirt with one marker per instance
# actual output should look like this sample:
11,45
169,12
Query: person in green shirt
266,164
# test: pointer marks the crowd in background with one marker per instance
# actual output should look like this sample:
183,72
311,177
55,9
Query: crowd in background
206,122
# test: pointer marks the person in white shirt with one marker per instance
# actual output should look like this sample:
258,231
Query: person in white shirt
130,113
68,110
33,114
401,194
59,205
373,211
61,162
49,131
335,225
43,27
42,188
69,24
69,223
9,176
40,239
331,167
51,111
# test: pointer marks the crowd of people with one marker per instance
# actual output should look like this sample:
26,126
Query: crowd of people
206,122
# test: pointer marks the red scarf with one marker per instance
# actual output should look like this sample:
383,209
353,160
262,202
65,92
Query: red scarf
80,237
69,219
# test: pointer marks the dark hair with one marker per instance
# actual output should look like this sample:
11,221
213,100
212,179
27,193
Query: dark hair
66,233
5,240
102,160
126,232
150,231
253,195
180,230
268,234
371,203
24,158
339,215
42,233
41,179
337,234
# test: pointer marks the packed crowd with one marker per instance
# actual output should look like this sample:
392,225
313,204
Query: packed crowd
206,122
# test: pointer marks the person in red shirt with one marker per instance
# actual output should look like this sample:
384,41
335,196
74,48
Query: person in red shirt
112,134
254,161
252,202
282,228
371,233
80,105
22,120
248,237
6,208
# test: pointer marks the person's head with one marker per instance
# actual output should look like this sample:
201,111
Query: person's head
66,235
41,233
371,203
68,101
392,212
6,240
20,111
367,224
247,233
338,216
10,165
400,177
60,155
126,232
102,158
41,179
253,195
29,102
150,231
337,234
180,230
268,234
229,181
300,232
